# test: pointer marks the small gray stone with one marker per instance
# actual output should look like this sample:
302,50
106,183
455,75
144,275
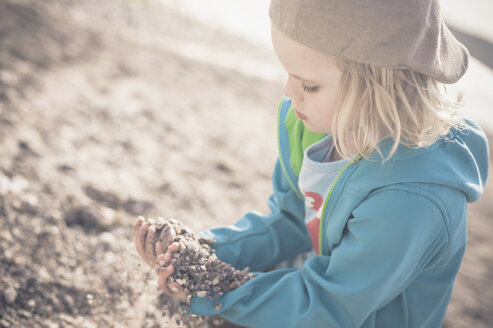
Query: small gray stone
68,301
192,245
10,295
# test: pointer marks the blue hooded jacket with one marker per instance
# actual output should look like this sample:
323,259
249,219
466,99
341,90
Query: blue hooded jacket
392,238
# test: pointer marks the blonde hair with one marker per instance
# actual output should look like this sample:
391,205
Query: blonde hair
378,102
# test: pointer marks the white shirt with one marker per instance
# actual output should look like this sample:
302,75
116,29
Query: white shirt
316,177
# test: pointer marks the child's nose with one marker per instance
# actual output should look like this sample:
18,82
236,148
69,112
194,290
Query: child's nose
292,90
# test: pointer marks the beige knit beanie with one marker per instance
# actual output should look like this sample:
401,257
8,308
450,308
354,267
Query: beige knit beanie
388,33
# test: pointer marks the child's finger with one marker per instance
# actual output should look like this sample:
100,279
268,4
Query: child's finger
173,289
173,247
141,237
160,259
138,223
163,276
163,259
177,289
159,248
149,247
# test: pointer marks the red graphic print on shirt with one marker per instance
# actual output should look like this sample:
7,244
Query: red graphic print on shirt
314,201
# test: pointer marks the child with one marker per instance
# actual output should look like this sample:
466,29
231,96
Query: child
374,174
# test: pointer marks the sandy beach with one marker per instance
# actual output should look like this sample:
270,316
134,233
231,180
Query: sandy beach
111,110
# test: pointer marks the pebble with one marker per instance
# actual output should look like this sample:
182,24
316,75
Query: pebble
234,284
30,200
52,325
68,301
18,184
10,295
202,293
182,247
192,246
4,323
107,239
24,313
88,324
4,184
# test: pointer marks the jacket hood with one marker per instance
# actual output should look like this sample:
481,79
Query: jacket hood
459,161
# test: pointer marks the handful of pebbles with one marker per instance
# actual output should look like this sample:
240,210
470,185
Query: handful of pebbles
197,268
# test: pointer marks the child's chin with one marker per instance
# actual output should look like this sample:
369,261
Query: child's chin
315,129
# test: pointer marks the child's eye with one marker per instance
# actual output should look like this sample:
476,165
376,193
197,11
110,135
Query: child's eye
309,89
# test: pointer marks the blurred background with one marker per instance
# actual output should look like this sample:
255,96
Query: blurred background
118,108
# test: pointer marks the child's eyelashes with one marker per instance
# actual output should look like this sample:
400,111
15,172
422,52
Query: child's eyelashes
309,89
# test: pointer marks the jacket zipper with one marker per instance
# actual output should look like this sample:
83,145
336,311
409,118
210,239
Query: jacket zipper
320,232
283,166
291,183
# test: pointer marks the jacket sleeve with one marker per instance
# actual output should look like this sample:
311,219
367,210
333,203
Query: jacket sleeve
389,240
261,241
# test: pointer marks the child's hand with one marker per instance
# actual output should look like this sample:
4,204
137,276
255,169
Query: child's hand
144,240
173,289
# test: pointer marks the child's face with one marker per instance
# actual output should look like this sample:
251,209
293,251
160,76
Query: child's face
312,82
